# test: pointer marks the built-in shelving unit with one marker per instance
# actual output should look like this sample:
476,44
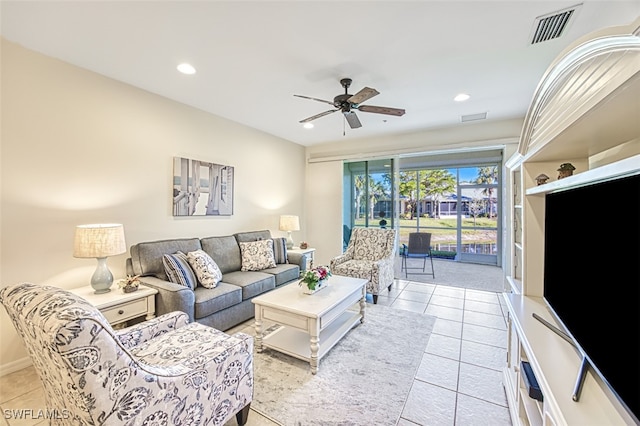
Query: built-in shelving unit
586,111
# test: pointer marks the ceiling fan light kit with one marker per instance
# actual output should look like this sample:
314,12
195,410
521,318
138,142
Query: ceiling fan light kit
348,104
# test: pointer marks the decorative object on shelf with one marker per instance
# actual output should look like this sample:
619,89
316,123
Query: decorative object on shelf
303,245
565,170
129,284
541,179
289,223
191,178
99,241
315,279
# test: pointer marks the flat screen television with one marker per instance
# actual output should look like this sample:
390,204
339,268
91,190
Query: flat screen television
592,278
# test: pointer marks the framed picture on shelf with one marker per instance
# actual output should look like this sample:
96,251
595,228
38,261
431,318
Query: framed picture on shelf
202,188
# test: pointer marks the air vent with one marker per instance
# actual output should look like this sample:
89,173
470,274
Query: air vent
552,26
473,117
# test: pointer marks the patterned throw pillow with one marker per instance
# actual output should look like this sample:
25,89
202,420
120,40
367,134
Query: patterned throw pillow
178,270
257,255
206,269
280,250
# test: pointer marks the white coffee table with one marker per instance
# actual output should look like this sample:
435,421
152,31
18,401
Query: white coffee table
312,323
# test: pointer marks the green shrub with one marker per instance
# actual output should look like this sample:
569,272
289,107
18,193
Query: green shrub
437,254
440,254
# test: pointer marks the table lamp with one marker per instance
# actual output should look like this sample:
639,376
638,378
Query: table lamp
99,241
289,223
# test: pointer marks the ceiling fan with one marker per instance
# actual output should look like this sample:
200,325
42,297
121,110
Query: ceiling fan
348,104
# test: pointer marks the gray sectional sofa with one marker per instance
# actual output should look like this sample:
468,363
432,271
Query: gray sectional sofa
229,303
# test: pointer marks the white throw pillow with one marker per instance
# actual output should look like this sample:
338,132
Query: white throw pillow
205,268
257,255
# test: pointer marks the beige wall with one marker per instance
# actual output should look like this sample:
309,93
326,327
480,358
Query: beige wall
77,147
460,137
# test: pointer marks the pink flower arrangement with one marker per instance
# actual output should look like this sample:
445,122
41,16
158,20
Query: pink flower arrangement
313,276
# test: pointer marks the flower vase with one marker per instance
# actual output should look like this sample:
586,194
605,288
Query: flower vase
319,286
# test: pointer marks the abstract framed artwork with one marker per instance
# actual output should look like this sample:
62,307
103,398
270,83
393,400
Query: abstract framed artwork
202,188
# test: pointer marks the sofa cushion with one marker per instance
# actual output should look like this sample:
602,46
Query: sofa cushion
280,250
146,257
178,270
253,283
211,300
284,273
205,268
257,255
224,251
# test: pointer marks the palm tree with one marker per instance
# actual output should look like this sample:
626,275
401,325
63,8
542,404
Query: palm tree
488,175
377,190
407,186
358,187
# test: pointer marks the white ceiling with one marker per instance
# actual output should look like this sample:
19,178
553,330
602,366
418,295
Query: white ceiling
253,56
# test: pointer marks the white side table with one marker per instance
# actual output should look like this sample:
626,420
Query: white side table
118,307
309,251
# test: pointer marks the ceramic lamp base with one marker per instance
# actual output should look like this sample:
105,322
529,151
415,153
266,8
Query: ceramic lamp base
102,278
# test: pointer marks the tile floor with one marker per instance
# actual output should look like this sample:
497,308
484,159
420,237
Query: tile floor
458,383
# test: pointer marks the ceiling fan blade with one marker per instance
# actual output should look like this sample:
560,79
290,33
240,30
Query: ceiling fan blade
352,119
314,99
363,95
322,114
381,110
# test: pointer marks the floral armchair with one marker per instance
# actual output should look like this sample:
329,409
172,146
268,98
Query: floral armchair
369,255
164,371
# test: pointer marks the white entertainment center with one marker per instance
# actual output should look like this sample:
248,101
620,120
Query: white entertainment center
585,111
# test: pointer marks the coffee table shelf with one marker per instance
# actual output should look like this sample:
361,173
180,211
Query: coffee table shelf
295,343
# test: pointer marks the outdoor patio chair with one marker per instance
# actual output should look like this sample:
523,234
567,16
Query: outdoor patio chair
419,248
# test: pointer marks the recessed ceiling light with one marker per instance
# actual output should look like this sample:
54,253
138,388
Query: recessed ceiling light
308,125
461,97
186,69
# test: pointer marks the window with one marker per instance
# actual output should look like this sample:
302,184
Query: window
369,194
455,197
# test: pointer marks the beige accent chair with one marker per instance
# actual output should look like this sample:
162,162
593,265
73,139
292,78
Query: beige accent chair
369,255
161,371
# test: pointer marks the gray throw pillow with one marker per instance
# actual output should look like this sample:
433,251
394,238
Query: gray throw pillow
280,250
178,270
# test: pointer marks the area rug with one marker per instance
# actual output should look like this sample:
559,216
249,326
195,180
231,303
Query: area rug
364,380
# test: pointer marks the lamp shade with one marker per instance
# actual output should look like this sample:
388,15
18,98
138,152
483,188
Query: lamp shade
289,223
99,240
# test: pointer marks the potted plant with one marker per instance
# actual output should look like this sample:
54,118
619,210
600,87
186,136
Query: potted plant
315,279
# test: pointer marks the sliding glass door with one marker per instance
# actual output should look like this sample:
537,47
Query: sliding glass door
369,193
457,205
456,198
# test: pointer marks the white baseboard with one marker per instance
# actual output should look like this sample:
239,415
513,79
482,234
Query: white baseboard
14,366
